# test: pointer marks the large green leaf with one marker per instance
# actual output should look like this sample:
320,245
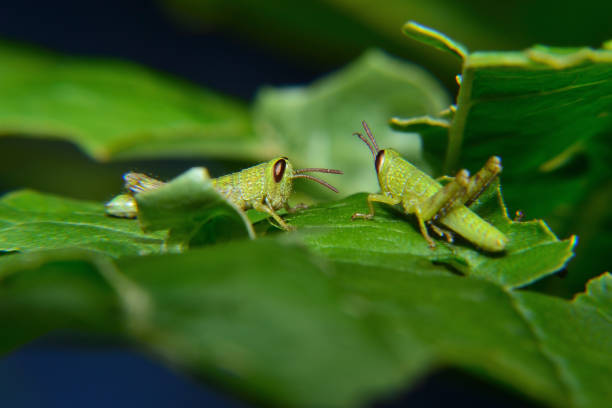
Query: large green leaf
41,291
392,239
271,321
576,337
194,214
313,125
117,109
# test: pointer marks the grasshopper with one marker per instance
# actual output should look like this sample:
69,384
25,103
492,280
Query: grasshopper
431,203
265,187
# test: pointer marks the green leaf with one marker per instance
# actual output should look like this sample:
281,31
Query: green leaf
42,291
280,326
577,337
464,322
313,125
272,327
116,109
184,205
32,221
393,239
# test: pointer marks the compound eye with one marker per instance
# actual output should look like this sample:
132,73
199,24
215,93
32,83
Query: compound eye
279,169
380,159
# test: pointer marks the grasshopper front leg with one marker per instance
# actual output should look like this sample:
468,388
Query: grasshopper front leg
265,207
460,190
379,198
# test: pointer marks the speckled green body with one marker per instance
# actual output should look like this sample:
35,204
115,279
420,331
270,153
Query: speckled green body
265,187
255,185
400,179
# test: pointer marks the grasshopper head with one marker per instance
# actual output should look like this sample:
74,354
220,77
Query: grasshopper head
279,185
282,173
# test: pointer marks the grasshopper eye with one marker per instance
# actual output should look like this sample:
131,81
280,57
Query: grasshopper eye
279,169
380,159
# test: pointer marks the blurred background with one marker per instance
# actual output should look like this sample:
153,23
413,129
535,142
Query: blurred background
234,48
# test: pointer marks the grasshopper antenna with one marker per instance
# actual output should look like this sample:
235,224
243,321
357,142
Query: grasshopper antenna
369,133
362,137
371,142
319,170
299,173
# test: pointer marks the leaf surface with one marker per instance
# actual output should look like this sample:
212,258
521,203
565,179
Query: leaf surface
298,331
577,337
32,221
393,239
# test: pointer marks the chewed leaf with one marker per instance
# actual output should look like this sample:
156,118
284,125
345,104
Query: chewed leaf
32,221
190,208
434,136
576,337
434,38
598,294
393,239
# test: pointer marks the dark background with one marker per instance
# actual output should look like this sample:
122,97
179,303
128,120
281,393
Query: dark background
68,370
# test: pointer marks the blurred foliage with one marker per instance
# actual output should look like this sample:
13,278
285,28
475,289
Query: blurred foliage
313,125
336,31
113,109
279,325
341,312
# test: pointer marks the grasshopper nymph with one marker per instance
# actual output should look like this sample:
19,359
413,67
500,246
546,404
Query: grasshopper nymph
431,203
265,187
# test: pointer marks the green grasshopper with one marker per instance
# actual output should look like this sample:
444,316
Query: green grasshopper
265,187
431,203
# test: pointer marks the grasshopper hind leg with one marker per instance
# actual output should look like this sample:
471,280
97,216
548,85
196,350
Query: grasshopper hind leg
461,189
481,180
